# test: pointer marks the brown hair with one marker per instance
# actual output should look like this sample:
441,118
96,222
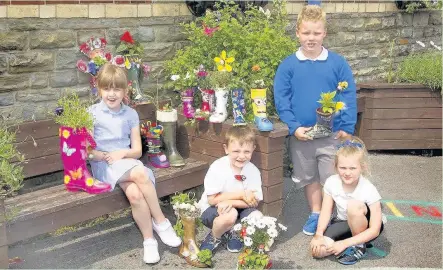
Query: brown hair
242,134
311,13
112,76
354,146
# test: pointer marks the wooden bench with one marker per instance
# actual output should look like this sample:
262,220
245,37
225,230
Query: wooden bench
48,209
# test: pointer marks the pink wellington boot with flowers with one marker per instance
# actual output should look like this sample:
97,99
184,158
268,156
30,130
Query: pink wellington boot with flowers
187,99
73,149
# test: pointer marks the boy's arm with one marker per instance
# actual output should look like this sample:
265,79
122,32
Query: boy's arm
348,116
225,196
283,93
325,214
370,233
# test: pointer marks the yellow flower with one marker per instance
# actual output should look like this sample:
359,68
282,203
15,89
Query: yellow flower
67,179
127,63
89,182
66,134
342,85
255,68
339,106
223,62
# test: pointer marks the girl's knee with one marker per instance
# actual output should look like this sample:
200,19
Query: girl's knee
134,195
139,175
356,208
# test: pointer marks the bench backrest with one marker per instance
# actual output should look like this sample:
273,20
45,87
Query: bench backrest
43,156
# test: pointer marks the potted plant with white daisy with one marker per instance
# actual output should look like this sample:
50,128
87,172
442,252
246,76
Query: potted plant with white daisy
258,234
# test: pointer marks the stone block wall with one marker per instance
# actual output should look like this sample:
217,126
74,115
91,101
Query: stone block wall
39,43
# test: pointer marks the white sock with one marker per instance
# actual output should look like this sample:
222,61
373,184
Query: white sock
149,240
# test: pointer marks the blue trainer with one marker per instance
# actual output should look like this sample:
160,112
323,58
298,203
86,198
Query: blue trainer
210,242
311,225
351,255
234,243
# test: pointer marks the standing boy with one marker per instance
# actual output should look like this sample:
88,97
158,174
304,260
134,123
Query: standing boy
232,189
300,79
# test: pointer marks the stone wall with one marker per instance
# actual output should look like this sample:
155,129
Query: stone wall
39,47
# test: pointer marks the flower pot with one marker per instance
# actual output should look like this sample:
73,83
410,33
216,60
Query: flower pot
323,127
189,249
324,119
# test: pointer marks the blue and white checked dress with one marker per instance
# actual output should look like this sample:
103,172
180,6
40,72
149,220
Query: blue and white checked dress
112,132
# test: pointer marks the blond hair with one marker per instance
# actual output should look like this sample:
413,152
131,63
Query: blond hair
241,134
354,146
112,76
311,13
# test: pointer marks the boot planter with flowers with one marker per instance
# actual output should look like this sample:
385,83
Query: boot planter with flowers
262,123
325,114
188,212
151,133
219,80
238,107
168,120
187,97
207,105
74,138
129,57
257,233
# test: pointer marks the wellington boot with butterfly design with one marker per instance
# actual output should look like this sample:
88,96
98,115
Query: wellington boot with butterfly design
73,150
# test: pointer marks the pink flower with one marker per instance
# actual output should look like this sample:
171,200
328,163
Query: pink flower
104,42
208,30
82,66
108,56
119,60
202,74
146,69
84,48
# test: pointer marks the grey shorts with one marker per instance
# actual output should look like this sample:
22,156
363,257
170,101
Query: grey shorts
313,161
211,213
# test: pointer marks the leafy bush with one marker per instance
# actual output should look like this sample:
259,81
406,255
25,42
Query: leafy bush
11,174
253,38
73,112
424,68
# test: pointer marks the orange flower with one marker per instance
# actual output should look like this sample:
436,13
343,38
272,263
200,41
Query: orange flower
255,68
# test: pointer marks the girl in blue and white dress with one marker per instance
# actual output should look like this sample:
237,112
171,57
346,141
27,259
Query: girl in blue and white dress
115,160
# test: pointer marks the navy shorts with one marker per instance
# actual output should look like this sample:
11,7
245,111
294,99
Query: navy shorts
211,213
339,229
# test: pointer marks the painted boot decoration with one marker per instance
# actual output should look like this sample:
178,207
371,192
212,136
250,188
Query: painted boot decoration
238,107
152,132
168,120
259,106
74,152
207,105
221,100
187,99
189,249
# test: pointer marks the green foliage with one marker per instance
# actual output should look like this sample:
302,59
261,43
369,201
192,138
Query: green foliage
11,174
252,38
219,79
413,6
424,68
205,256
126,48
75,112
250,259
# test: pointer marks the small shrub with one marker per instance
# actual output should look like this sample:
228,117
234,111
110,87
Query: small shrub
424,68
11,174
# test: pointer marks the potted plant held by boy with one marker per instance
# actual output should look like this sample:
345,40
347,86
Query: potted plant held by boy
76,122
258,234
325,113
187,211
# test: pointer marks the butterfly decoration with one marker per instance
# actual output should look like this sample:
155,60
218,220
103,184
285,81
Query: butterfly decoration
83,152
76,174
240,177
68,151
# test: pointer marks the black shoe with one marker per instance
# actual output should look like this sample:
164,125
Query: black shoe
351,255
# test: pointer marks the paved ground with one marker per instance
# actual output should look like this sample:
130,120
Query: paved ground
405,182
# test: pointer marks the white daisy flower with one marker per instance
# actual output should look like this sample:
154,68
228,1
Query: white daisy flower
282,227
250,230
260,224
192,208
175,77
248,241
272,233
237,227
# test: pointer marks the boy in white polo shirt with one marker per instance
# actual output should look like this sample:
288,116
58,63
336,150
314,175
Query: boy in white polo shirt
232,189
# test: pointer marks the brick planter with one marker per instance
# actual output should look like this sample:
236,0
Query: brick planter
399,116
204,141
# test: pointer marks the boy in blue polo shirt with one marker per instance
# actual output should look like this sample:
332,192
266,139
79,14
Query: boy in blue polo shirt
300,79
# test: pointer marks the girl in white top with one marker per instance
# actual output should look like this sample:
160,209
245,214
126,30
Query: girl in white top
359,215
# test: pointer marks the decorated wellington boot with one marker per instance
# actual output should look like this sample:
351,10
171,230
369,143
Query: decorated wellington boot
238,107
221,100
187,99
259,107
168,120
189,249
152,132
207,105
73,151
